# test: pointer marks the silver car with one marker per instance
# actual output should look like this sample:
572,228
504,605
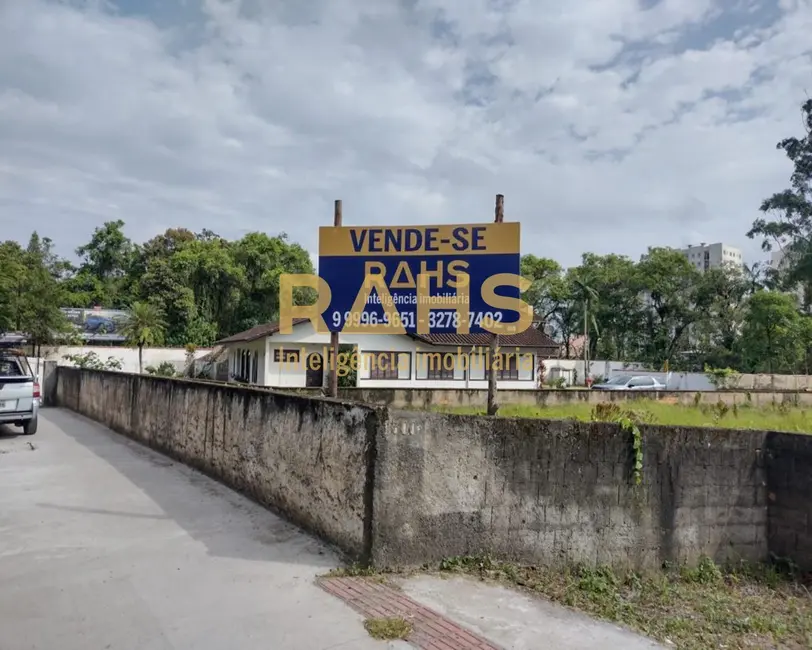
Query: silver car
630,382
19,392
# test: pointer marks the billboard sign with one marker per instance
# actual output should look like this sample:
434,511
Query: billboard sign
97,324
452,261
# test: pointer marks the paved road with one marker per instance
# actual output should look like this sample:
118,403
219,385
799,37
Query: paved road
107,545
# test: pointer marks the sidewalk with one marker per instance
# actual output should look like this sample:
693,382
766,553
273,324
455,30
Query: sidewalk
460,613
515,621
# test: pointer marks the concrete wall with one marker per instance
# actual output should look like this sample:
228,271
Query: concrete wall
127,356
790,497
306,458
424,399
555,492
407,487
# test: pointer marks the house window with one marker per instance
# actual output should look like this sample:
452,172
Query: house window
438,365
383,365
508,368
254,367
290,356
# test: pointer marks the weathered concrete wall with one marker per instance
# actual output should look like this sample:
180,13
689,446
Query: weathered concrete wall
307,458
409,487
422,398
556,491
790,497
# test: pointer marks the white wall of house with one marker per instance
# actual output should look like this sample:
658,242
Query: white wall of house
412,366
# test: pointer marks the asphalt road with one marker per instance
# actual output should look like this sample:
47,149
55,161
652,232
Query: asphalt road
105,544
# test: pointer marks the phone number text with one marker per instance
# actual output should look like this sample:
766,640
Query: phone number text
437,319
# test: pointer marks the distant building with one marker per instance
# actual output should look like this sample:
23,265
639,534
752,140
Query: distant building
713,256
779,262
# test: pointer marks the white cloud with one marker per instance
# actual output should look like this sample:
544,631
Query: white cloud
607,126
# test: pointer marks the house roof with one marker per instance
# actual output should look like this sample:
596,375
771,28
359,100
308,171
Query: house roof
530,338
258,332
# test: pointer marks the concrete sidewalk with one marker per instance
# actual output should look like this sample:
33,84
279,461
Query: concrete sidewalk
515,621
105,544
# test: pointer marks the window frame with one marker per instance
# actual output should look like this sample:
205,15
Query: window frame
376,373
441,373
511,373
286,353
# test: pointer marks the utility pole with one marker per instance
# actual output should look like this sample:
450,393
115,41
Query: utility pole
493,407
334,335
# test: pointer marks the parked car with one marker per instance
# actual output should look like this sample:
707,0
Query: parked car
630,382
19,392
96,324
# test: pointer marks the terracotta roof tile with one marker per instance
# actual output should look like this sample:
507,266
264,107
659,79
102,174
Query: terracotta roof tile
530,338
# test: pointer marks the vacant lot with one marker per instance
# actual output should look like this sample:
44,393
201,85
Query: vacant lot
741,608
773,418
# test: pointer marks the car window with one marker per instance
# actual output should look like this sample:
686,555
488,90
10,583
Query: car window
642,381
9,367
620,380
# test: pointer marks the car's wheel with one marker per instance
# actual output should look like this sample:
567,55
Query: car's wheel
30,427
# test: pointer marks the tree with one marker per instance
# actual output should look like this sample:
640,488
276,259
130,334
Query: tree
144,327
106,261
586,296
12,285
544,293
773,335
565,317
791,226
616,313
30,292
723,294
670,284
263,260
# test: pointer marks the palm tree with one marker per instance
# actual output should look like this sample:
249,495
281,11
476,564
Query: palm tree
586,296
144,327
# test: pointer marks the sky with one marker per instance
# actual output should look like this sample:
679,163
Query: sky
609,125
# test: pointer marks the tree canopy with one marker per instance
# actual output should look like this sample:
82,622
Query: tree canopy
203,286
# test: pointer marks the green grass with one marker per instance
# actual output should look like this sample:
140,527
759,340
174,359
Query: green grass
771,418
388,629
743,607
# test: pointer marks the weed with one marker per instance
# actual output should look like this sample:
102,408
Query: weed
388,629
739,606
796,420
706,572
357,571
628,420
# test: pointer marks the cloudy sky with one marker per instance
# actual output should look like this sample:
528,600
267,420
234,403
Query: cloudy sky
609,125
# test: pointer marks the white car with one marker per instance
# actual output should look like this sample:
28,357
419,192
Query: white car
19,392
630,382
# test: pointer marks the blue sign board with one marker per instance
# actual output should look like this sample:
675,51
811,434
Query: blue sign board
348,255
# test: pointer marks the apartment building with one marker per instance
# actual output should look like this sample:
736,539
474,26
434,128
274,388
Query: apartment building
713,256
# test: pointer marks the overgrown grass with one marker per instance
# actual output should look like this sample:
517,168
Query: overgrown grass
388,629
693,609
780,417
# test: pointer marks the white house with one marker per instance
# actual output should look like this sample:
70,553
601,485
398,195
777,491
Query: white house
264,356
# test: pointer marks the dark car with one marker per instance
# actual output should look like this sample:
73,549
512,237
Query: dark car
99,324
